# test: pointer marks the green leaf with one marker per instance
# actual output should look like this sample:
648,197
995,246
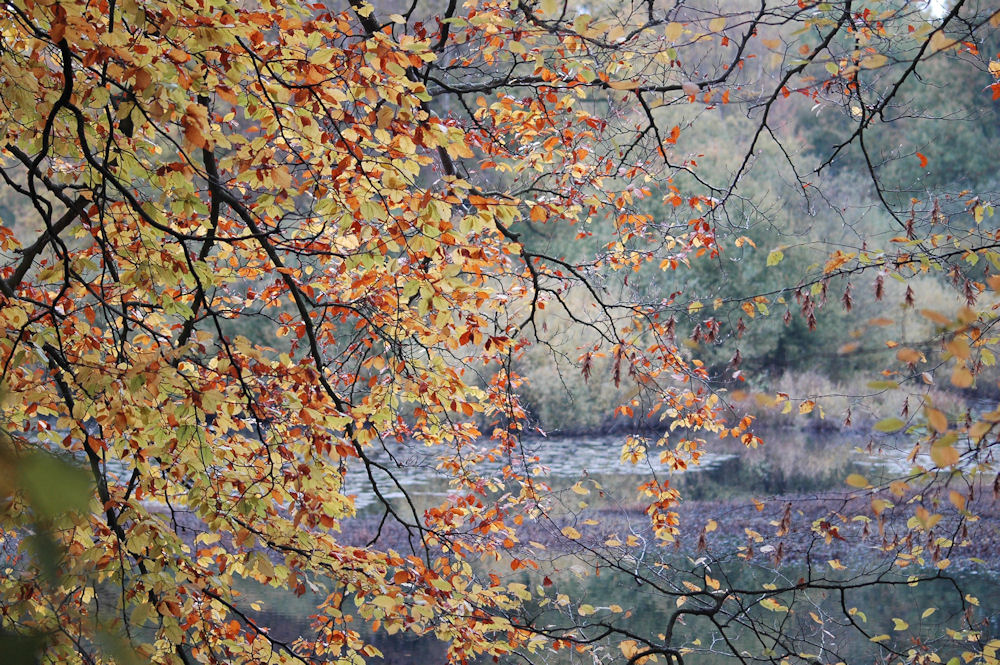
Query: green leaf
22,649
883,385
890,425
775,257
53,486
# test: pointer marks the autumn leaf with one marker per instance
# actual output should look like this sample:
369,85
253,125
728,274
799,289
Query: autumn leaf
196,128
874,61
944,455
857,480
571,533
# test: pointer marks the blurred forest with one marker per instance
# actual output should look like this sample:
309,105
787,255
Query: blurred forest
787,214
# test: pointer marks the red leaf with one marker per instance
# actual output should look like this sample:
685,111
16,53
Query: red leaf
232,629
923,160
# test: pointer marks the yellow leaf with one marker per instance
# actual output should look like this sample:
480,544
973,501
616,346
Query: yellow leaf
939,41
674,31
880,505
958,347
385,602
874,61
773,605
937,420
936,317
899,624
979,430
623,85
961,377
857,480
929,611
926,519
570,533
907,355
585,610
849,347
628,647
717,24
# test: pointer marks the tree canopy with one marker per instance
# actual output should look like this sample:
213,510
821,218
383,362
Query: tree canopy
251,248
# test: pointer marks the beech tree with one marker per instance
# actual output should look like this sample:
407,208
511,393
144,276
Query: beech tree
260,246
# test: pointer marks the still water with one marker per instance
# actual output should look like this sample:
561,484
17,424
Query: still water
803,460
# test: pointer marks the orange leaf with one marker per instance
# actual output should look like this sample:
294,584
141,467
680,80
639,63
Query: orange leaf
938,421
944,455
232,629
961,377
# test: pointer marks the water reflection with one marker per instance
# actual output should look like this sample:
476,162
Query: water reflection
791,461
